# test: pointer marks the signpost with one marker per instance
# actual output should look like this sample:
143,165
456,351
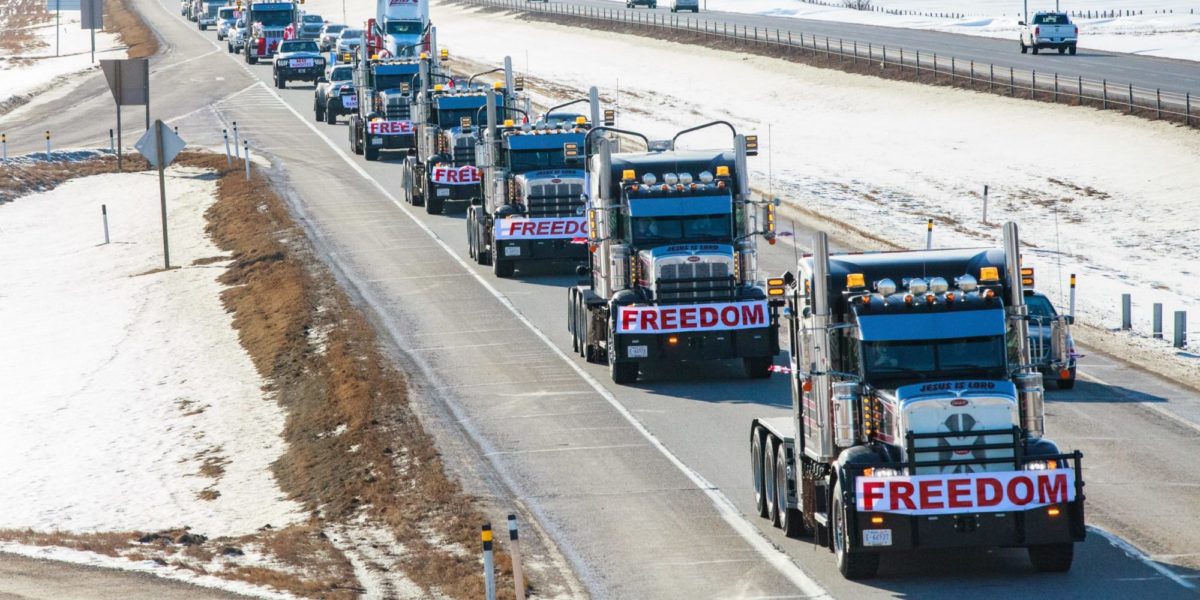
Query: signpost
160,146
129,81
91,16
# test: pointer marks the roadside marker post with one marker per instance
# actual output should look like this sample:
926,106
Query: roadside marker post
4,146
1157,329
1126,309
104,216
489,570
1180,328
1072,294
228,158
515,551
929,234
235,141
47,144
985,199
246,147
112,146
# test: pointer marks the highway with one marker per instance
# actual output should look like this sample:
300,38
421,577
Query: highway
645,488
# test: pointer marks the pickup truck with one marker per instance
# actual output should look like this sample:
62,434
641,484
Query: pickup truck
1052,30
298,60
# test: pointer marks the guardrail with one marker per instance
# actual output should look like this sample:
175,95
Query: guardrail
894,62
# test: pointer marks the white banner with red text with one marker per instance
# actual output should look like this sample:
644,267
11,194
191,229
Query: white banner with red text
686,318
449,175
381,127
965,492
547,228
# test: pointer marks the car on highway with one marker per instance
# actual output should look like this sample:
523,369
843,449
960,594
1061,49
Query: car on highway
1049,30
328,36
310,26
235,38
692,5
335,95
185,8
637,3
1042,316
348,40
297,60
226,17
208,15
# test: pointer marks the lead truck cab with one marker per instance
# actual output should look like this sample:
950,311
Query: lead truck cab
917,418
672,275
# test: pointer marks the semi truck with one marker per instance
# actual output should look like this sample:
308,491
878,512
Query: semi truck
916,415
382,120
672,269
399,28
266,23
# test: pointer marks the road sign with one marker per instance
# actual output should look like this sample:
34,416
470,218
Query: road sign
91,14
128,80
171,145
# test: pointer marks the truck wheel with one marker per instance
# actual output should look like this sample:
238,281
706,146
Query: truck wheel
790,519
204,28
623,373
758,367
769,445
852,565
1052,558
229,47
434,205
370,152
503,268
319,110
1035,49
330,115
756,469
1071,50
1024,48
1062,50
280,82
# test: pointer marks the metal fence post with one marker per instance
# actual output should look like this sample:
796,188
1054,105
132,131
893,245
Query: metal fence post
1158,102
1080,103
1187,119
991,78
1056,88
1131,98
1126,316
929,234
1012,82
1157,330
1104,103
514,551
1180,328
1072,313
489,570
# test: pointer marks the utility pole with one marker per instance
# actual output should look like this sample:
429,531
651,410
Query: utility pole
57,12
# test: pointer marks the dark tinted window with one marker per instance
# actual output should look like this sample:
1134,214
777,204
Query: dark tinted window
298,46
1060,19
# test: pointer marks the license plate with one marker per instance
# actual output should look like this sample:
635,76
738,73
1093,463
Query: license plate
877,537
301,62
510,250
349,101
376,141
446,192
639,351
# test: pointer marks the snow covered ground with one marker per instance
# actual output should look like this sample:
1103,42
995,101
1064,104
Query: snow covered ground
128,402
885,155
35,67
1170,34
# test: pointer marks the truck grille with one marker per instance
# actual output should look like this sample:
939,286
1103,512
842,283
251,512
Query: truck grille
396,110
554,199
464,152
694,282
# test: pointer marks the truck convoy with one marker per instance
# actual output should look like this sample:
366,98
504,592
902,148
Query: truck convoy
917,417
266,22
532,208
399,28
673,268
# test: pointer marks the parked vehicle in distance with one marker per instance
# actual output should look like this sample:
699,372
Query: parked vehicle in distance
636,3
348,40
297,60
310,26
335,94
692,5
226,17
329,35
1052,30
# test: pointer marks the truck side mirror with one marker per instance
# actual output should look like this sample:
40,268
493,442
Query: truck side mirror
1021,23
1070,319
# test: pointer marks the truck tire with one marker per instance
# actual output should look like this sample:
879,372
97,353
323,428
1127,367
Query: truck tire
1052,558
204,28
471,237
280,82
482,254
319,110
434,205
769,445
330,114
852,565
758,367
1071,50
622,373
1062,50
757,473
369,152
503,268
1035,49
1024,48
790,519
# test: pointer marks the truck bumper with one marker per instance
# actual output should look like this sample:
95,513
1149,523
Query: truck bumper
554,249
1055,43
702,345
304,74
1010,529
454,193
390,142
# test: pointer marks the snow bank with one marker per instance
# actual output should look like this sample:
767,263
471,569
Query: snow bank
885,155
37,67
121,381
1170,34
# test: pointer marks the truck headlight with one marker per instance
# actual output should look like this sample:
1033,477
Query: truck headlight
1041,465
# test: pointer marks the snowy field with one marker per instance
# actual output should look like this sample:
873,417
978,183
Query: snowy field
128,402
885,155
35,67
1173,35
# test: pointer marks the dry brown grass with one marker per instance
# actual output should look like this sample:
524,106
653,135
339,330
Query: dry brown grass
108,543
27,177
122,20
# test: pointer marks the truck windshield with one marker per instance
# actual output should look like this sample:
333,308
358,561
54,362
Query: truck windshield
226,13
521,161
309,19
273,18
404,27
1051,20
887,361
342,74
212,9
392,82
453,118
298,46
694,228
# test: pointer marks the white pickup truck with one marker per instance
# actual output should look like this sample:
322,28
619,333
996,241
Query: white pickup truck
1049,30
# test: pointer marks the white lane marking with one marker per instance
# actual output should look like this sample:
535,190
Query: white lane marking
212,105
571,449
1128,549
162,66
724,506
1151,405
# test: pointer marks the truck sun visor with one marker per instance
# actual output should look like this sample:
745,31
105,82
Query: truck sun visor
930,326
680,206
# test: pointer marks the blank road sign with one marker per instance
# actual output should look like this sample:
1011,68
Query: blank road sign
53,5
91,15
128,79
148,145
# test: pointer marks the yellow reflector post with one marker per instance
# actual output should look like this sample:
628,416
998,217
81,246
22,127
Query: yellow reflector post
723,171
989,274
628,175
855,280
